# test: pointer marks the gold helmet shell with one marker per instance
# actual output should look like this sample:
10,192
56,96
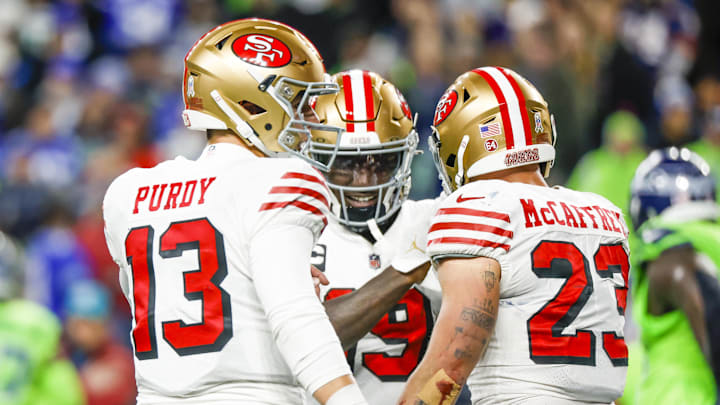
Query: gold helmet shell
490,119
378,127
254,77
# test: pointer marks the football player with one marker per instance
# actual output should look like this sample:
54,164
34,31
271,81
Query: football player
676,294
214,253
534,278
31,371
377,300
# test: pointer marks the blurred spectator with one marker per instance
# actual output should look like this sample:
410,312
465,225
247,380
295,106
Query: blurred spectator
105,366
38,154
55,258
31,371
674,98
35,161
131,23
708,146
609,169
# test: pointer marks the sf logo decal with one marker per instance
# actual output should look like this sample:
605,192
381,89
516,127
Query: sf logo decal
445,106
262,50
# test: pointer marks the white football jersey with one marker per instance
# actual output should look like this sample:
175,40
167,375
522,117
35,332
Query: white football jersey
564,261
384,358
180,233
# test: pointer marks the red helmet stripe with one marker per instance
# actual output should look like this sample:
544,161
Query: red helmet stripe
521,101
502,103
369,101
347,89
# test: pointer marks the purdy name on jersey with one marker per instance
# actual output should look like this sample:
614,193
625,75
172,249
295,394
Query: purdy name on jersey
563,288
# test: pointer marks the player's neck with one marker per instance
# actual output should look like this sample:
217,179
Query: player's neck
229,137
524,174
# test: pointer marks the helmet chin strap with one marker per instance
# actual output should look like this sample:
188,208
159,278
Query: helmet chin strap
241,126
460,156
374,229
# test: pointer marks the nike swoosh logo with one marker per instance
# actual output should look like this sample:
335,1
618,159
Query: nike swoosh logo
460,198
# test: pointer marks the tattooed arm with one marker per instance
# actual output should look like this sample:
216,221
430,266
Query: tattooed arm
471,291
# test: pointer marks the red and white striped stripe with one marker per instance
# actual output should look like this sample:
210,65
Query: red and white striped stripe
466,229
301,190
359,101
516,123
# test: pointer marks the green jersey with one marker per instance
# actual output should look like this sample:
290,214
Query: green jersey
30,372
676,370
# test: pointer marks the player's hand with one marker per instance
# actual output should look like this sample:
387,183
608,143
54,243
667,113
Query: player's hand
318,278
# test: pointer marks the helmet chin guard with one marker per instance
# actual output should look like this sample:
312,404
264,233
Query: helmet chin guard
372,159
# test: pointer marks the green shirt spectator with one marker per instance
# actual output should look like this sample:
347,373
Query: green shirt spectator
708,147
609,169
31,372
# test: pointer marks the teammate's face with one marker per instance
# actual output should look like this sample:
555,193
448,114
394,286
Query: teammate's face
308,113
363,171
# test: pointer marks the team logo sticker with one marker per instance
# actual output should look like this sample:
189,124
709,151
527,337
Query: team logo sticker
491,145
445,106
262,50
404,104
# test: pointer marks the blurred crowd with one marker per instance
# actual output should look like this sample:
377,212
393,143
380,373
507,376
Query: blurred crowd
91,88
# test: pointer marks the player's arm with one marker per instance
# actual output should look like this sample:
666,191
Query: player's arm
471,292
353,315
298,321
673,285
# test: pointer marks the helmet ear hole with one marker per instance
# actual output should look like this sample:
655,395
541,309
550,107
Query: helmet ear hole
251,108
451,160
222,42
466,95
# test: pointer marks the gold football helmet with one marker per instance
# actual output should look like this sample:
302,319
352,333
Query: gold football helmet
257,78
370,176
490,119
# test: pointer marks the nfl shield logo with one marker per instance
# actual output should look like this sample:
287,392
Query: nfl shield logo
374,261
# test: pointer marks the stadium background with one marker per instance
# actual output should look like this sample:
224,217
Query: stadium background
91,88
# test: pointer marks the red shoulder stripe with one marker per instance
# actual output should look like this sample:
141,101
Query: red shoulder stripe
300,190
305,176
470,241
472,227
302,205
475,213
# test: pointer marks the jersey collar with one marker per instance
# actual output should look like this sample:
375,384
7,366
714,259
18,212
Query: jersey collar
224,150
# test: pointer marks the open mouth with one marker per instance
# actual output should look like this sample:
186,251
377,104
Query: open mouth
361,200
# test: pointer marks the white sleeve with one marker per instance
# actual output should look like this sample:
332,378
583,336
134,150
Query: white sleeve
280,264
470,229
110,217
